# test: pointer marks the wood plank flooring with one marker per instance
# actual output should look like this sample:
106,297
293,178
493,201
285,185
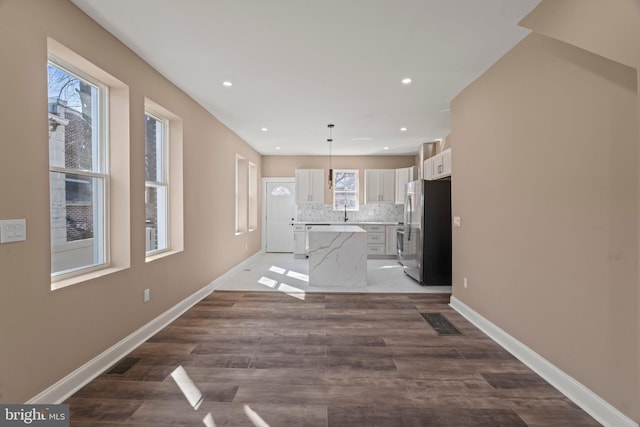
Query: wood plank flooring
329,360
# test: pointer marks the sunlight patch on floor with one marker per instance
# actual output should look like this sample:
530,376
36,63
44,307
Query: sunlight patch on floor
284,287
268,282
254,417
292,291
278,270
187,387
208,420
299,276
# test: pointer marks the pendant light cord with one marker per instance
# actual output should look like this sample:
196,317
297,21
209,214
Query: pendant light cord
330,141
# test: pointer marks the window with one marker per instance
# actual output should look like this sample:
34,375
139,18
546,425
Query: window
345,189
246,195
78,170
156,183
164,213
89,169
253,196
242,187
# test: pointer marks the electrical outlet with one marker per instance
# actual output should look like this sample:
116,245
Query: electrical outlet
465,282
147,295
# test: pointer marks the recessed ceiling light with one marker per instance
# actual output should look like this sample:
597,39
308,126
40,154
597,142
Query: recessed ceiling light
386,148
406,81
227,83
277,148
403,129
264,129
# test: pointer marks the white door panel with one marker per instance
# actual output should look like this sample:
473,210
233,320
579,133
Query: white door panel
281,210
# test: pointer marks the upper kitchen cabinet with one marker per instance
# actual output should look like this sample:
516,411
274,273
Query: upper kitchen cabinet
310,185
438,166
403,176
379,185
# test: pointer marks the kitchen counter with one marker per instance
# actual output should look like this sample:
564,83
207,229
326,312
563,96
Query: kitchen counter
337,256
344,223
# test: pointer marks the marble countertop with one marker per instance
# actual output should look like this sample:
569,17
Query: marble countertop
337,229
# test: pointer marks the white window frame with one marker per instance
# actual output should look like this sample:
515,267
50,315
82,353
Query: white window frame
253,196
164,234
356,172
101,223
242,195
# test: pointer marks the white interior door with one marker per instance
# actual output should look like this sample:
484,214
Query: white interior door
281,210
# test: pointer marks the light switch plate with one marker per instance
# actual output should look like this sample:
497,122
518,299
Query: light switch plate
13,230
456,221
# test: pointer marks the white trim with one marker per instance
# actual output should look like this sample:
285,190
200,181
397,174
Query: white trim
67,386
586,399
238,268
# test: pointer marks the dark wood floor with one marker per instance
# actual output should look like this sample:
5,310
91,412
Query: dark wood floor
328,360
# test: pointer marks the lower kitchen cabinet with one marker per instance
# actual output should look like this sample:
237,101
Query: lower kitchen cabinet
376,239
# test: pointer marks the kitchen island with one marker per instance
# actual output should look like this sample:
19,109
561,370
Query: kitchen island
337,256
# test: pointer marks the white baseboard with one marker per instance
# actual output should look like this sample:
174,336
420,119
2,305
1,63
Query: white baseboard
590,402
244,264
67,386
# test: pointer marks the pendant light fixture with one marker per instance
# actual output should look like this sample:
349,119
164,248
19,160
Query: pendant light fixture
330,141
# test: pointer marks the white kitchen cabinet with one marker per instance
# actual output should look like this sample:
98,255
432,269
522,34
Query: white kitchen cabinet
376,239
299,241
391,240
309,185
442,164
379,185
403,176
438,166
427,169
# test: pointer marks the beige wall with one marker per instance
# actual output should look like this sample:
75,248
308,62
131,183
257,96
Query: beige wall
431,150
46,335
283,166
607,28
545,180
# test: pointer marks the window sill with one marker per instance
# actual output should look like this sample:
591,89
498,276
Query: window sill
85,277
163,254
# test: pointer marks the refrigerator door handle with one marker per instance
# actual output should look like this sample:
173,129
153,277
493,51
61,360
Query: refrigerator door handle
410,222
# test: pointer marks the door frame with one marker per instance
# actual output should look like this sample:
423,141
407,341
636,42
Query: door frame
287,179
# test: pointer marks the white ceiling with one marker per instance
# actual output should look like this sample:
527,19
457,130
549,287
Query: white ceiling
298,65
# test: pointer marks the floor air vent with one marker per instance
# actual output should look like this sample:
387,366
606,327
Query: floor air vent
440,324
123,366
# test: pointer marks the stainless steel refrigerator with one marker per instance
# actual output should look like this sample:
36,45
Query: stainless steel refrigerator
426,243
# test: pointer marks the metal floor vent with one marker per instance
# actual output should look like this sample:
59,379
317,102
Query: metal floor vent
440,324
123,366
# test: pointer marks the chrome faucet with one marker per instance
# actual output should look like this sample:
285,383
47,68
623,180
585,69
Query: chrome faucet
345,212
